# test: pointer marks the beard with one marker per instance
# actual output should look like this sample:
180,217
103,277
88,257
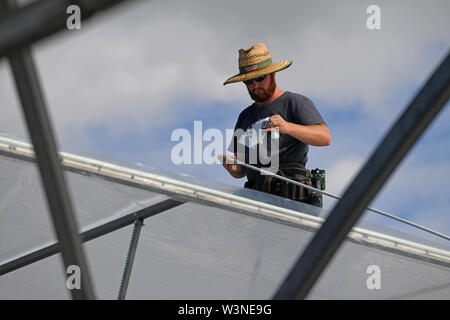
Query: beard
261,94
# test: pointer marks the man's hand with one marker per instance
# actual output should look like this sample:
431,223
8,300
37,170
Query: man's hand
236,170
276,122
315,134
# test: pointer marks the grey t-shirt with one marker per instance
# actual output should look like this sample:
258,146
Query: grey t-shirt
292,107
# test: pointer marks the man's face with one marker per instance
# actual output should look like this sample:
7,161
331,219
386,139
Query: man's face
261,91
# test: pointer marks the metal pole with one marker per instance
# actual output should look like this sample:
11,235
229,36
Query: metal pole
266,172
402,136
89,235
130,259
40,19
40,131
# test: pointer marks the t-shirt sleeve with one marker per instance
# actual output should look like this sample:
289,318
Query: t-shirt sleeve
305,113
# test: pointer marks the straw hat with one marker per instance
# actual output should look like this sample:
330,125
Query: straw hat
256,62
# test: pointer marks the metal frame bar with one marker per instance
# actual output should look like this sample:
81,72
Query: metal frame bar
389,153
168,186
130,259
177,190
41,133
90,234
40,19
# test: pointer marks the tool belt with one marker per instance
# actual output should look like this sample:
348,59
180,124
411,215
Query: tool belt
291,170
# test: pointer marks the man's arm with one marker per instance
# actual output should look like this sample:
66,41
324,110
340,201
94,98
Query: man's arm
315,134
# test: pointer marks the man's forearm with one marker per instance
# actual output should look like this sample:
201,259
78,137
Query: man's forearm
316,134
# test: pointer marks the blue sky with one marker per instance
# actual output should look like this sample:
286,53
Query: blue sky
124,82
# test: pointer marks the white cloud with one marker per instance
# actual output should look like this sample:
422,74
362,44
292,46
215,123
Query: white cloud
131,64
341,173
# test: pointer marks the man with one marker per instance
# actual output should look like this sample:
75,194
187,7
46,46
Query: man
294,116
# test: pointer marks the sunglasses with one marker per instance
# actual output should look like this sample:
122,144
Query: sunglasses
259,79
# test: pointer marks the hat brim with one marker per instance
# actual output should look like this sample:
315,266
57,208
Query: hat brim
274,67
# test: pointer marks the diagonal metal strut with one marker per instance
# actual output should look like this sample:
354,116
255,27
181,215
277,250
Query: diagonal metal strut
41,133
40,19
90,234
395,145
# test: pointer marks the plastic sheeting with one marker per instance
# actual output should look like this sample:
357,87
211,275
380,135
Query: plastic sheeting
25,222
196,251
